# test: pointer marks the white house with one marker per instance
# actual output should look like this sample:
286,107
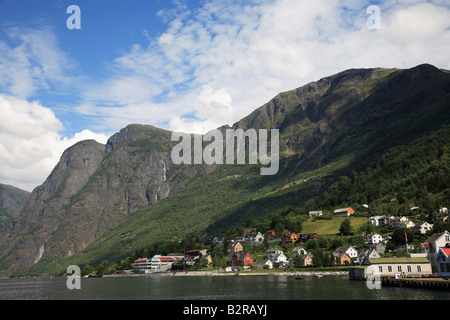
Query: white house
402,222
370,253
349,250
442,261
280,258
432,245
315,214
277,256
259,264
273,251
254,237
423,227
373,238
380,220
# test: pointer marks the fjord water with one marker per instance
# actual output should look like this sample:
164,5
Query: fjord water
208,288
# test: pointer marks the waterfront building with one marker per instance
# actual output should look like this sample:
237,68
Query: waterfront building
391,268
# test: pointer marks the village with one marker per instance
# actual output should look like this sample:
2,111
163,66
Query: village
374,256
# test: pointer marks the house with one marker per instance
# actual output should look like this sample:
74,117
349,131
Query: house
197,252
370,253
432,245
235,247
277,256
240,259
307,236
442,261
402,222
307,260
299,251
289,237
254,237
273,251
142,264
344,255
271,234
423,227
344,212
340,259
391,267
191,255
281,259
208,259
259,264
379,247
315,214
157,262
380,220
405,247
373,238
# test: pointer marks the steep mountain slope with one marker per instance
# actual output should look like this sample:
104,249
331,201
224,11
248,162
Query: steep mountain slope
103,202
12,200
92,188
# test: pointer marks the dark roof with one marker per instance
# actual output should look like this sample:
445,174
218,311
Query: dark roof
434,237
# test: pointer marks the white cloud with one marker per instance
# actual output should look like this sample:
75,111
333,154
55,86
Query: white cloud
30,142
30,59
221,61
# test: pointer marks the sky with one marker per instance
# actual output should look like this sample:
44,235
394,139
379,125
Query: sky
182,65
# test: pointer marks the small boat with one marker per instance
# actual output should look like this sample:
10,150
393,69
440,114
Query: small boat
299,278
318,276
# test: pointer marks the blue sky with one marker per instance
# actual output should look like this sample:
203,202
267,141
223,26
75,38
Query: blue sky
182,65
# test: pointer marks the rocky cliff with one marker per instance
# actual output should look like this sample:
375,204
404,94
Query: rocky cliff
92,188
12,201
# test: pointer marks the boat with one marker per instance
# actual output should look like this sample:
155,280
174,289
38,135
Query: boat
299,278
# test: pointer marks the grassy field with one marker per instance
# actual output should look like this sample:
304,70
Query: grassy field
331,227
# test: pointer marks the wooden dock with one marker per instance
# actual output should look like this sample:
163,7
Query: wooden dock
418,283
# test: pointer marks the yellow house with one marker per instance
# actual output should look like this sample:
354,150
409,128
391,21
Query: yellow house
235,247
208,260
307,261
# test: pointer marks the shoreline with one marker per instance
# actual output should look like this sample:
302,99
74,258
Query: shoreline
225,274
207,274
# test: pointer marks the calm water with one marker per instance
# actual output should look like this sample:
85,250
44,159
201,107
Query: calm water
208,288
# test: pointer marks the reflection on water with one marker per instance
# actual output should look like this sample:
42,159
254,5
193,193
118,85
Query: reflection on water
208,288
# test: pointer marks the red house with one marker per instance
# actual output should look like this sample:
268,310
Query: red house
239,259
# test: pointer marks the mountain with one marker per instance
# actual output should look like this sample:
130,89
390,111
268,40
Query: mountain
12,200
107,201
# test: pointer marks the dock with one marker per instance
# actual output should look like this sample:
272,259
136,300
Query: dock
418,283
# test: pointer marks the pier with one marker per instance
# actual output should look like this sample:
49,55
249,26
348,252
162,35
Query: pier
418,283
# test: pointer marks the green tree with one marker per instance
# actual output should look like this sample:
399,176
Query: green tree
398,236
87,269
345,227
298,261
317,259
102,268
